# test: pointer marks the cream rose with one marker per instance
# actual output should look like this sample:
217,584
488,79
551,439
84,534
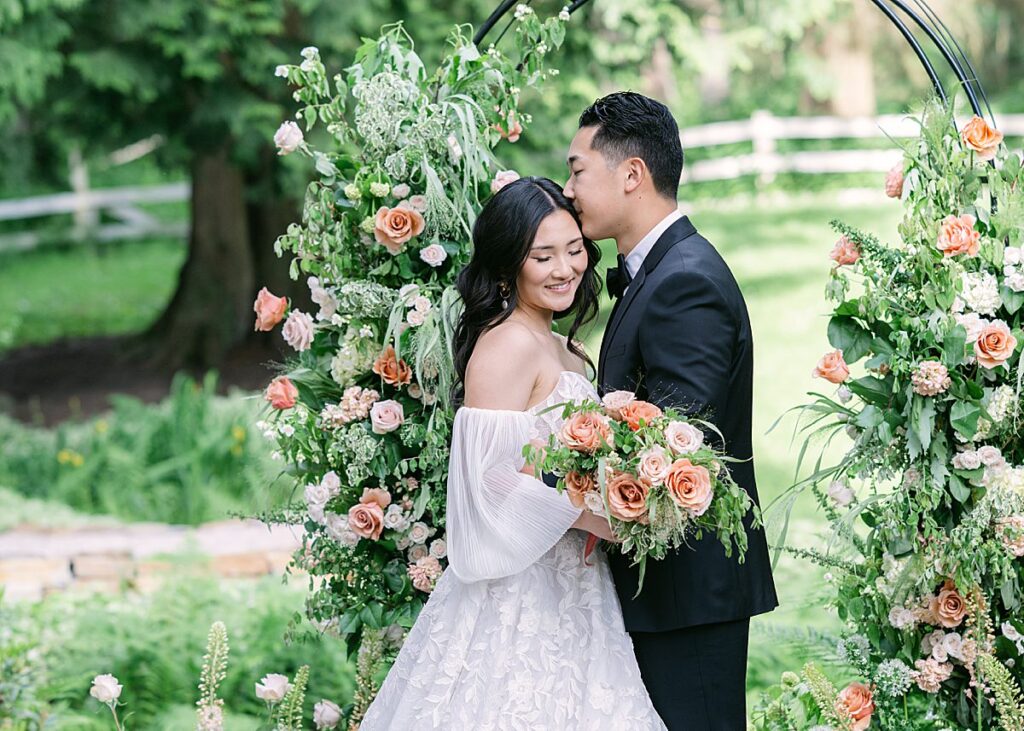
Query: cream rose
683,438
269,310
653,466
326,715
298,330
386,416
273,687
434,255
105,688
288,138
400,191
614,402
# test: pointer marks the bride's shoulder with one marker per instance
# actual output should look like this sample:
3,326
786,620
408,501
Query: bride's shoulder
503,369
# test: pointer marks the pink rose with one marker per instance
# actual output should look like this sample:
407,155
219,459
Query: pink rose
269,310
400,191
394,226
894,181
434,255
376,496
366,520
845,252
298,330
994,345
615,401
653,467
690,486
288,138
417,203
957,236
683,438
832,367
856,699
386,416
503,178
281,393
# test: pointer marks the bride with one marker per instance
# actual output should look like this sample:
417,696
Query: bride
519,633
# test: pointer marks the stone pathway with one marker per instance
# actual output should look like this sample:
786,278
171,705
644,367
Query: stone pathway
35,562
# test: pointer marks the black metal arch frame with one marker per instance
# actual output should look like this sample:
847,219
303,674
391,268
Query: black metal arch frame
926,20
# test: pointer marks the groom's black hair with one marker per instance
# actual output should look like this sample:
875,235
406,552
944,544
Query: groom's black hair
633,125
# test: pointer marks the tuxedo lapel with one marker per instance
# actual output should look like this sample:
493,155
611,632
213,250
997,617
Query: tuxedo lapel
675,233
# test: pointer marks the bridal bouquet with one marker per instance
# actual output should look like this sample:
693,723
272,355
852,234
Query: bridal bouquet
649,471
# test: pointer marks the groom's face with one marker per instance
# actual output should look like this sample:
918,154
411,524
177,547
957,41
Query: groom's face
595,187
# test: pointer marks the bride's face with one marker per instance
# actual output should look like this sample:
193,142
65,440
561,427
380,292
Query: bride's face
555,265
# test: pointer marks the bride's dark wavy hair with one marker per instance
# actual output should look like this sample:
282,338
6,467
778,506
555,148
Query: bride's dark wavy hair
502,237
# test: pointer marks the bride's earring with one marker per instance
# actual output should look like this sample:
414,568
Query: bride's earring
505,292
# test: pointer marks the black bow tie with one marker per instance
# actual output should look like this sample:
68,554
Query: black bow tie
618,278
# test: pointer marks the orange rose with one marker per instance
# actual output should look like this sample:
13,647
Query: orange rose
585,432
845,251
832,367
856,699
948,607
394,372
578,484
995,344
394,226
366,521
281,393
957,236
269,310
627,497
980,137
690,486
634,411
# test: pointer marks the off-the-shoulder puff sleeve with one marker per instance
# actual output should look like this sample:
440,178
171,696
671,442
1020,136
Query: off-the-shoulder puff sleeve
499,520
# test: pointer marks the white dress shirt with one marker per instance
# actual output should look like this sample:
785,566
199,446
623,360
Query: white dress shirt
635,258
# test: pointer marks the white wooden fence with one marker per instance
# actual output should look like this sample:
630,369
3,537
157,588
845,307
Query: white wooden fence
763,131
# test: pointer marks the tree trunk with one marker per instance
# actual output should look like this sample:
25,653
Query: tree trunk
211,310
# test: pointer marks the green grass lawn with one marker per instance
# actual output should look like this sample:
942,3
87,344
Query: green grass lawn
82,290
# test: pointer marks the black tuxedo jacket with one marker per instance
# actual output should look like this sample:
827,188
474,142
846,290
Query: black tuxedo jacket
680,337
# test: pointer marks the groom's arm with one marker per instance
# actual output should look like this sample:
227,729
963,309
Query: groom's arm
687,339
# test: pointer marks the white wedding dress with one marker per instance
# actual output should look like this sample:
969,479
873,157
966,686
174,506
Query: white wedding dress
519,632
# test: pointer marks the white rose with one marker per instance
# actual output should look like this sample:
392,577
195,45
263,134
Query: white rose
288,138
434,255
281,71
331,482
386,416
309,52
328,302
326,714
503,178
902,618
683,438
394,518
272,688
298,330
593,502
439,549
614,401
417,552
316,498
967,460
841,495
422,304
400,191
408,293
338,529
419,533
105,688
991,456
953,644
415,318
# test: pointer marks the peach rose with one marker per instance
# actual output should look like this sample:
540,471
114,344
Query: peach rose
514,128
948,607
627,497
269,310
281,393
366,520
995,344
615,400
392,371
832,367
634,411
376,496
845,251
577,485
683,438
503,178
386,416
394,226
585,432
690,486
894,181
979,136
957,236
653,465
856,699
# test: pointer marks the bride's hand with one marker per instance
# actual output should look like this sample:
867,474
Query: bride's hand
530,469
596,525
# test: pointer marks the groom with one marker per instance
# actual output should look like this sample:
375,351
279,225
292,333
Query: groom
678,336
